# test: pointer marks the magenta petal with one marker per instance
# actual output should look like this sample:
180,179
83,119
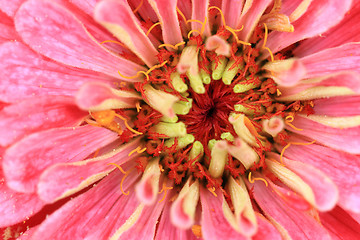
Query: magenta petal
7,28
54,32
213,223
115,15
266,231
200,12
166,11
73,177
340,224
232,11
299,225
146,226
325,191
10,8
27,74
319,17
333,60
348,30
24,161
342,168
346,139
338,106
104,206
37,114
16,207
87,6
250,19
145,11
166,230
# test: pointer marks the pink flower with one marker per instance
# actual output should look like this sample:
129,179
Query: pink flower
167,119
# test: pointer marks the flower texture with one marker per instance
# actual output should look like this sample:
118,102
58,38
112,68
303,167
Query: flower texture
165,119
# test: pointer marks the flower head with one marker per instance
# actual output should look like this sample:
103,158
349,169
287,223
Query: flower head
180,119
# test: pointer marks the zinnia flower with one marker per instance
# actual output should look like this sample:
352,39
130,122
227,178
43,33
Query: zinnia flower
165,119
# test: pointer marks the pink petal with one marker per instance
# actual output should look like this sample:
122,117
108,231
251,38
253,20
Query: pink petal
338,106
340,225
146,226
266,231
73,177
36,114
15,206
298,224
95,95
347,139
166,230
10,8
113,14
87,6
213,223
349,79
7,28
319,17
185,6
250,19
54,32
232,11
145,10
325,191
24,162
166,11
104,205
346,31
342,168
200,12
27,74
333,60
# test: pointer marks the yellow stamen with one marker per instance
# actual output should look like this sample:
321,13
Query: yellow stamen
236,37
138,107
212,190
138,150
195,20
266,35
122,180
222,15
288,121
181,14
156,66
96,153
135,76
252,180
113,41
235,30
127,125
176,46
194,30
203,26
152,27
278,93
164,189
138,7
292,143
271,54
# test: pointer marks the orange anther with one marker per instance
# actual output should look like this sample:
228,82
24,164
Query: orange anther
196,229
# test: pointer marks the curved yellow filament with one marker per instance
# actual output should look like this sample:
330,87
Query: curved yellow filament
138,150
271,54
156,66
292,143
266,35
212,190
288,121
181,14
127,125
222,15
236,37
113,41
138,107
252,180
164,189
125,175
194,30
152,27
195,20
138,7
176,46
